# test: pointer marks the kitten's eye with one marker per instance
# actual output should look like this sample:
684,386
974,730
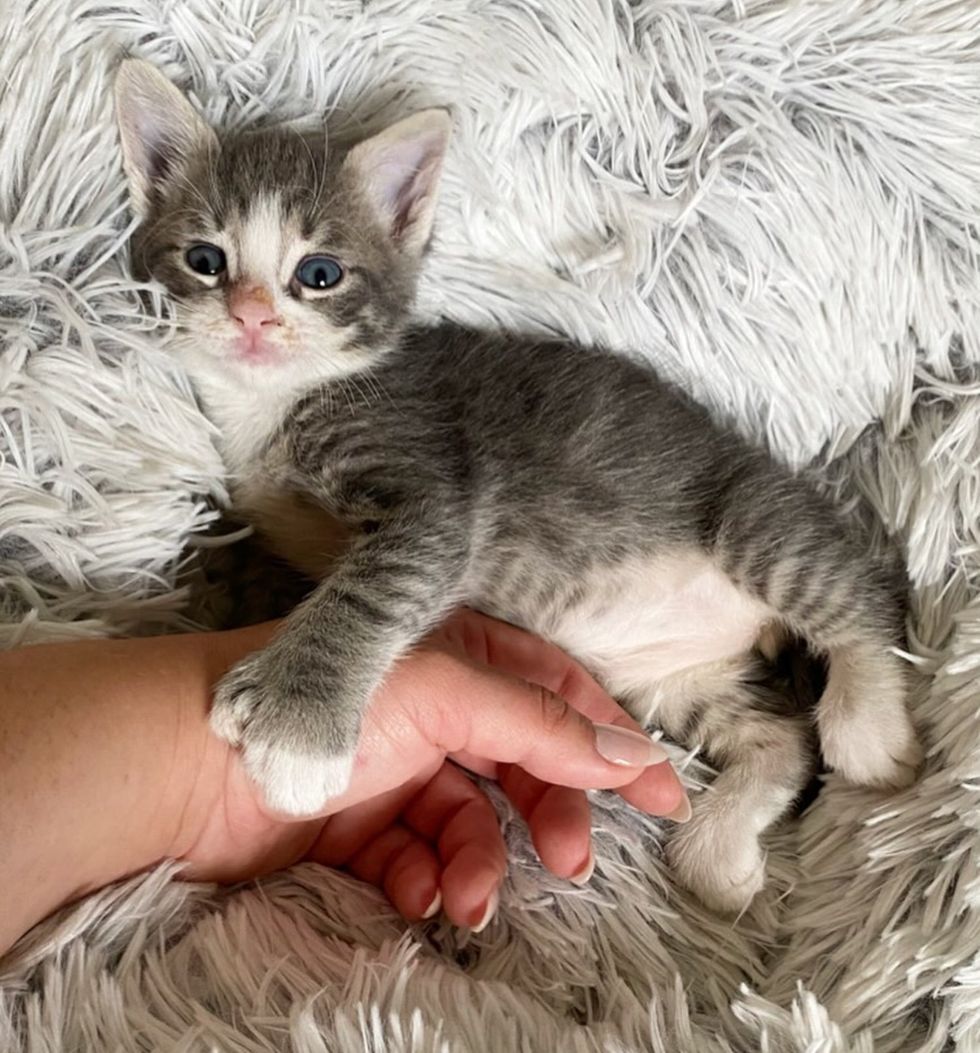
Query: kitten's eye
206,259
319,272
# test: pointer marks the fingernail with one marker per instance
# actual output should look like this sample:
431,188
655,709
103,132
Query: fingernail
492,903
434,907
581,877
627,748
682,813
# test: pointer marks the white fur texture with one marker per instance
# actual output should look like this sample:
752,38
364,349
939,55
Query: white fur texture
648,621
777,201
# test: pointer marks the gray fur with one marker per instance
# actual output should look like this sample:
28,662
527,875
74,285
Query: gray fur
513,474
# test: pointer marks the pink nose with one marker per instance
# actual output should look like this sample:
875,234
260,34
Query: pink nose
252,309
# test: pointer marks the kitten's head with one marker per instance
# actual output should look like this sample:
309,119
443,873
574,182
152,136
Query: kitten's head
288,264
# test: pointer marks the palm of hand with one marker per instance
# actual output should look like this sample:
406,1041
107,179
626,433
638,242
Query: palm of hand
412,822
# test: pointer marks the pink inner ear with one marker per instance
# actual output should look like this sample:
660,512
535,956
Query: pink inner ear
404,177
158,142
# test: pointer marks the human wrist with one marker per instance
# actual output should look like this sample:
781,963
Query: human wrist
108,761
158,761
209,786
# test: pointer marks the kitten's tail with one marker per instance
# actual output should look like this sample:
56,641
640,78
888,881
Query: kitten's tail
816,572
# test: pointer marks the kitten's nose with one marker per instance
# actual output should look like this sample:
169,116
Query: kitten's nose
252,308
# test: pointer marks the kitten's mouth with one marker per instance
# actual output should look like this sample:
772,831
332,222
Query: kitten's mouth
254,350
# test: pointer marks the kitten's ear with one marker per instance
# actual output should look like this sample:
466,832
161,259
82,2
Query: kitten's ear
159,129
399,170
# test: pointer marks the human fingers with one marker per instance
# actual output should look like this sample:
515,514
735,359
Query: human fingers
523,655
559,820
657,790
401,863
350,829
490,715
453,813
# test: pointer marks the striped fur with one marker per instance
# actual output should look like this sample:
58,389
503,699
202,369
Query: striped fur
561,488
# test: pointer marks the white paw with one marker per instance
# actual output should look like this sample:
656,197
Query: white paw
871,745
724,871
295,746
296,784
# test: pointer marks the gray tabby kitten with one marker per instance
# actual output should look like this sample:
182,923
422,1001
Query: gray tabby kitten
566,490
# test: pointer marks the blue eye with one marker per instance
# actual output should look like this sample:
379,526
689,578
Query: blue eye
319,272
206,259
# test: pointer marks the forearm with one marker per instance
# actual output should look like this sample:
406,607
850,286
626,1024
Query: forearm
102,745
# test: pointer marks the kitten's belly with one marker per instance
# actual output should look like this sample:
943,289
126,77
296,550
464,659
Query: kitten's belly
641,622
635,624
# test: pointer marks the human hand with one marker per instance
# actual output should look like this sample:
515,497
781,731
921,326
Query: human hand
496,701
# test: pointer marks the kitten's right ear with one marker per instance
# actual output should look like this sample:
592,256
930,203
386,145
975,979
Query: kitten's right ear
159,129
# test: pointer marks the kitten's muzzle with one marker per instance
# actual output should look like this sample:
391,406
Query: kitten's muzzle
253,311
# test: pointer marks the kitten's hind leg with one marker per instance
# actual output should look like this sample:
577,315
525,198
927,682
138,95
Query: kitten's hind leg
862,703
817,574
764,745
866,733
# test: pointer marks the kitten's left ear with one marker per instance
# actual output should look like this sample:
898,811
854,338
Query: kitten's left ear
399,170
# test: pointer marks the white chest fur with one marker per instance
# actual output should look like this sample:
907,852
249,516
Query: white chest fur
293,526
246,417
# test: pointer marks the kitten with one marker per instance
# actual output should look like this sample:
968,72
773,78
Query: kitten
413,469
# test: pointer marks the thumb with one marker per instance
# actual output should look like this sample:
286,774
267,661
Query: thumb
487,714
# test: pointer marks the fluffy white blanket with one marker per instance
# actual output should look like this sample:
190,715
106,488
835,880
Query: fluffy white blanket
775,200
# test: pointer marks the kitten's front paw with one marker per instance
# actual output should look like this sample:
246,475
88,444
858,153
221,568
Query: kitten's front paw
296,737
722,868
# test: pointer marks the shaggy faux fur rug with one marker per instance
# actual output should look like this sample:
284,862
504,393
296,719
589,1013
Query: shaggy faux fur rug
774,200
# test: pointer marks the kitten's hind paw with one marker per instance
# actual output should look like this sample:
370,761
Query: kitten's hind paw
870,745
866,730
292,743
721,868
